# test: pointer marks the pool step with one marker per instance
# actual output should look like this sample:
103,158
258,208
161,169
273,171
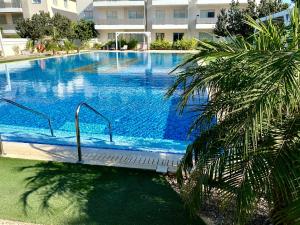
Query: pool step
159,162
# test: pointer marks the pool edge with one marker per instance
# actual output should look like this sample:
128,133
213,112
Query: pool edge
94,156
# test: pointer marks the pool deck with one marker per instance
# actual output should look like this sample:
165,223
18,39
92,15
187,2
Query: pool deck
156,161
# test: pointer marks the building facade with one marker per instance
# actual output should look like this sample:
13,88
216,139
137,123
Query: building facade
12,10
165,19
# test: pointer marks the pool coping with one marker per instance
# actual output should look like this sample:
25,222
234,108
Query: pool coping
44,57
155,161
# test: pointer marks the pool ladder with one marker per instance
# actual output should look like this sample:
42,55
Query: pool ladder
77,125
29,110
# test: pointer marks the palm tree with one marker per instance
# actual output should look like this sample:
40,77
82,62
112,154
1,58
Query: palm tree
253,151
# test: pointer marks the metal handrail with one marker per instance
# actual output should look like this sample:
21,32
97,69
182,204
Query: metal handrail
78,127
30,110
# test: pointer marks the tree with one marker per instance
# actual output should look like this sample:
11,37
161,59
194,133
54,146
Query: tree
235,19
62,26
232,20
84,30
221,25
38,26
253,151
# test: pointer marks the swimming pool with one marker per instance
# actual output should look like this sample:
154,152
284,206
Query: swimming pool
128,88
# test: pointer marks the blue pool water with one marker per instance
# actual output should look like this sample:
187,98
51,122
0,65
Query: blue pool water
128,88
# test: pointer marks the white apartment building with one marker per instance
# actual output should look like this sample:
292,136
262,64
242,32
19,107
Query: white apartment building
12,10
165,19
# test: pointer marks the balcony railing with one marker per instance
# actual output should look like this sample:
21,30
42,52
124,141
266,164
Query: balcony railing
206,20
120,21
12,4
175,21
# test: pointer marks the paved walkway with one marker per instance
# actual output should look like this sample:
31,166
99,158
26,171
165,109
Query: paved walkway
160,162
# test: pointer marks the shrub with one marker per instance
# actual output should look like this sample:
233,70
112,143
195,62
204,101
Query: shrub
52,45
161,45
121,43
132,43
68,46
30,45
185,44
109,45
97,46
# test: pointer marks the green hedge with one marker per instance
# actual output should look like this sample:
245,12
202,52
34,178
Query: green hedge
161,45
184,44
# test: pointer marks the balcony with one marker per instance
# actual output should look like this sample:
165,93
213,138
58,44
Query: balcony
217,2
206,23
170,2
104,3
10,7
120,24
170,24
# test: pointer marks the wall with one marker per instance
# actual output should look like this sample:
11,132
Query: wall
30,8
205,25
10,43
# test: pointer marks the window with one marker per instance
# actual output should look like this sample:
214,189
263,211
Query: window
111,36
159,36
180,13
207,14
133,14
16,17
36,1
88,14
112,14
160,14
177,36
3,19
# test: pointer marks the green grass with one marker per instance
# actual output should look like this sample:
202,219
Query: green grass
61,193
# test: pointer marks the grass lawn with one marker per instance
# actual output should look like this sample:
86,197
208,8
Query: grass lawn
61,193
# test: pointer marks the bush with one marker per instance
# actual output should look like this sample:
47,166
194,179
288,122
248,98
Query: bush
132,43
68,46
97,46
30,45
52,45
161,45
121,43
185,44
109,45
